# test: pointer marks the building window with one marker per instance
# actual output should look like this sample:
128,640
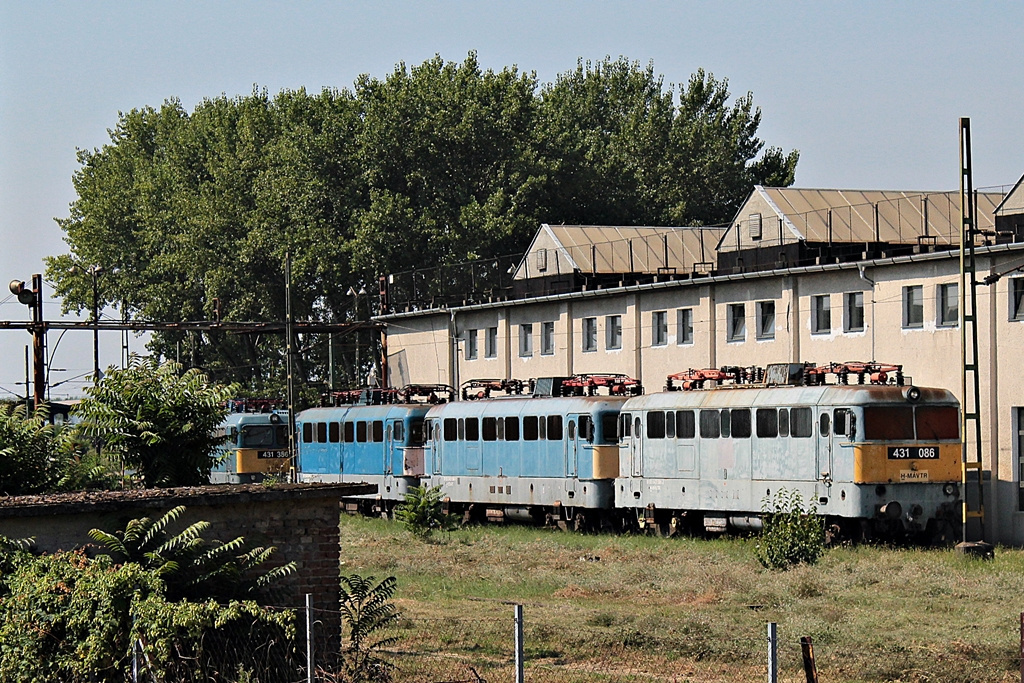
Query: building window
1017,298
853,316
754,222
547,338
684,326
766,320
526,340
471,345
913,306
948,304
659,328
590,334
821,314
613,332
1019,445
491,343
737,323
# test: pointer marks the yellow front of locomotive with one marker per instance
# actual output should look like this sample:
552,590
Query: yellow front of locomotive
907,460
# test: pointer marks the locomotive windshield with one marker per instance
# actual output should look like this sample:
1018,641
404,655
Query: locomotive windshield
254,436
895,423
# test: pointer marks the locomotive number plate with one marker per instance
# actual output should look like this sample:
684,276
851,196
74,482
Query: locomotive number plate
913,452
267,455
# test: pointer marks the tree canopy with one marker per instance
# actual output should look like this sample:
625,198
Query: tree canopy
191,213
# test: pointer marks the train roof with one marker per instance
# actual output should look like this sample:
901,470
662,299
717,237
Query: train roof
754,396
256,418
517,405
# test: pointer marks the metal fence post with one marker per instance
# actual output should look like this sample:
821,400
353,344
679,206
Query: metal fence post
309,638
518,612
773,661
1021,647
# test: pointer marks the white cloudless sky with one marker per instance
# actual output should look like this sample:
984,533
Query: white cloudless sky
870,93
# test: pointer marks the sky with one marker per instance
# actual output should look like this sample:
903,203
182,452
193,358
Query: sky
870,93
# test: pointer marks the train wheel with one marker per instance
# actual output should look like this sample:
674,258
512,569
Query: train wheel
579,523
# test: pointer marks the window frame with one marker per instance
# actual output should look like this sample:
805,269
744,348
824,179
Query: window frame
915,321
821,314
547,338
849,305
472,345
491,342
942,304
525,340
659,328
761,332
736,314
684,326
589,334
1015,295
613,332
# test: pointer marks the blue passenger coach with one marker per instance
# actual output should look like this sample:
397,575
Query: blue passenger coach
377,439
539,459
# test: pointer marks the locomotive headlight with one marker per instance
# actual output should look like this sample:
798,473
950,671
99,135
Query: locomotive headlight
912,394
950,489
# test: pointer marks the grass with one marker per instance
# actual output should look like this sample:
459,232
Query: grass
621,608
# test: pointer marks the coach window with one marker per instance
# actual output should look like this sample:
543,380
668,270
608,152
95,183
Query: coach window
451,429
783,422
321,432
823,424
472,429
542,428
307,432
350,432
740,423
767,420
656,425
511,429
801,422
378,431
490,427
399,434
710,424
685,425
333,432
726,424
361,431
670,425
625,423
530,428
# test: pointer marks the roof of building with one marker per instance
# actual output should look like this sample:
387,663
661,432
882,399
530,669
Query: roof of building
595,249
853,216
1013,202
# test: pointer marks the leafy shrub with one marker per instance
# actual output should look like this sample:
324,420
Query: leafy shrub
422,512
159,420
791,533
191,567
367,611
33,453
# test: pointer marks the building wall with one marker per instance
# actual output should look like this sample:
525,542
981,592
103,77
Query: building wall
929,351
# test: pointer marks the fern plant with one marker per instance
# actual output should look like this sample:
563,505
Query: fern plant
192,567
422,512
367,613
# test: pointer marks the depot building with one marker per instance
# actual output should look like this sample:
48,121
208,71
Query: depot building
800,275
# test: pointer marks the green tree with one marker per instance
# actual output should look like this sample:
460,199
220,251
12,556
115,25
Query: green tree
34,454
159,420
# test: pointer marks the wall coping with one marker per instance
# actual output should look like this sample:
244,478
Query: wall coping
100,501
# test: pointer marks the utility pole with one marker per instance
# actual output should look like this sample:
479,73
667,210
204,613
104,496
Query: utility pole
289,361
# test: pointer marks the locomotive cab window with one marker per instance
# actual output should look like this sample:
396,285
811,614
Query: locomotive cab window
937,422
399,434
801,423
451,429
608,426
490,429
472,429
281,435
350,432
625,424
740,423
378,431
254,436
361,431
511,429
307,432
888,423
767,420
530,430
321,432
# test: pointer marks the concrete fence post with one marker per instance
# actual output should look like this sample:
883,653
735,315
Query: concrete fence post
309,638
518,617
773,650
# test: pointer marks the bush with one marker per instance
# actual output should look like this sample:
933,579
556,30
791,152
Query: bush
422,512
791,533
33,453
367,611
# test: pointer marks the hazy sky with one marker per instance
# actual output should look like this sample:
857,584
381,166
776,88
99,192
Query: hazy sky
870,94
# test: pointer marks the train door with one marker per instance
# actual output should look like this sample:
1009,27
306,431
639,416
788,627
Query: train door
435,445
391,452
636,446
823,484
572,447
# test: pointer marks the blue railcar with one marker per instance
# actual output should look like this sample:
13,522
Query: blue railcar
377,439
255,445
533,459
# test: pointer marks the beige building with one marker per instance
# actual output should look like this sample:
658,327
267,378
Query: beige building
800,275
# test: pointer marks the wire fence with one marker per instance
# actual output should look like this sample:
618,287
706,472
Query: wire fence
500,641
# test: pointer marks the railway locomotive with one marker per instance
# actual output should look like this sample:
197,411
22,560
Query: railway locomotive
876,459
374,436
255,445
